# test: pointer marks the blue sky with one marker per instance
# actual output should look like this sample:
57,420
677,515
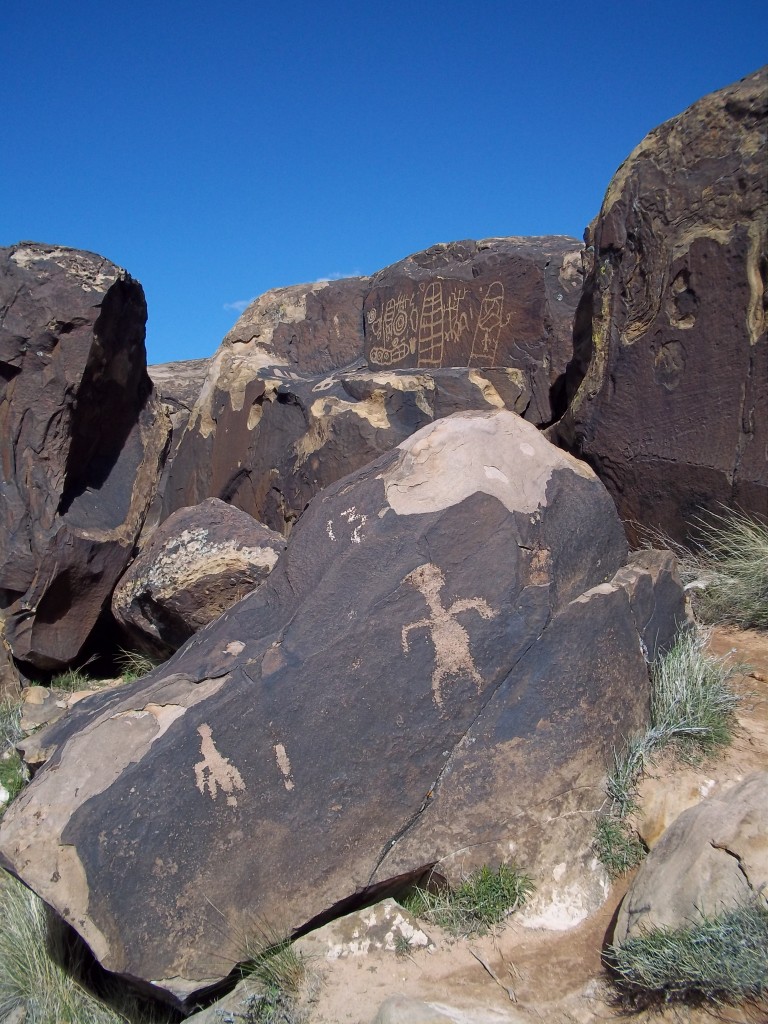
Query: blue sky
218,150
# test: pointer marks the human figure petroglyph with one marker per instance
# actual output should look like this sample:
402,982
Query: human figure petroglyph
215,771
489,323
449,638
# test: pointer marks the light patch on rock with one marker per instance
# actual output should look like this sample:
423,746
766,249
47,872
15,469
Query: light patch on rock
444,463
563,908
188,558
91,278
324,410
489,392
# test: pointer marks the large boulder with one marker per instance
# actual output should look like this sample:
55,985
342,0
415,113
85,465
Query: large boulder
84,439
668,385
433,676
308,328
712,858
198,563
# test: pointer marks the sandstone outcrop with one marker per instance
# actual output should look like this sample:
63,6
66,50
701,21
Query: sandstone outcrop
198,563
668,396
712,858
83,442
433,676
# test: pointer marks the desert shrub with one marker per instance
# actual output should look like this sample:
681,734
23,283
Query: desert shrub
692,707
481,900
720,959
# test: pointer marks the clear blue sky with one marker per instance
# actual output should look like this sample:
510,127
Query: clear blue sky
217,150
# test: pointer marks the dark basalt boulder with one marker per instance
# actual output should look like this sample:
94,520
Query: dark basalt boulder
669,384
83,442
308,328
198,563
434,676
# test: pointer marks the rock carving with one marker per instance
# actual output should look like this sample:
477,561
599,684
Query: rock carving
215,771
450,639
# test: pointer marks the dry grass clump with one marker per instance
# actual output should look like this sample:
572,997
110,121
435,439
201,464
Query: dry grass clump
720,959
725,569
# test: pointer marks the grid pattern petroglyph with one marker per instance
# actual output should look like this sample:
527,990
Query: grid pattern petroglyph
435,329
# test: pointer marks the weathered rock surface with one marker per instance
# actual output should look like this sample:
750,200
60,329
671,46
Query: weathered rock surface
308,328
671,353
289,404
712,858
271,451
371,930
199,562
506,302
84,439
439,663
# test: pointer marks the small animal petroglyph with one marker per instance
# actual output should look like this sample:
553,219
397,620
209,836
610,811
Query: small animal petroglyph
215,772
449,638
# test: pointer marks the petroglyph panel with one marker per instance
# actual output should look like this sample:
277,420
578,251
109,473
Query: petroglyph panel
437,323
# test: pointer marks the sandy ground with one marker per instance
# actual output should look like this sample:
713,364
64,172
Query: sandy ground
552,977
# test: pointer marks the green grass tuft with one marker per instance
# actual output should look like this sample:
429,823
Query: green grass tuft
482,900
271,960
13,773
692,707
719,959
616,845
72,680
134,665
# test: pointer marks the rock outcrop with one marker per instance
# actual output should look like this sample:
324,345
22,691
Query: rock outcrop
198,563
290,404
712,858
272,452
433,676
83,443
307,328
668,396
506,302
